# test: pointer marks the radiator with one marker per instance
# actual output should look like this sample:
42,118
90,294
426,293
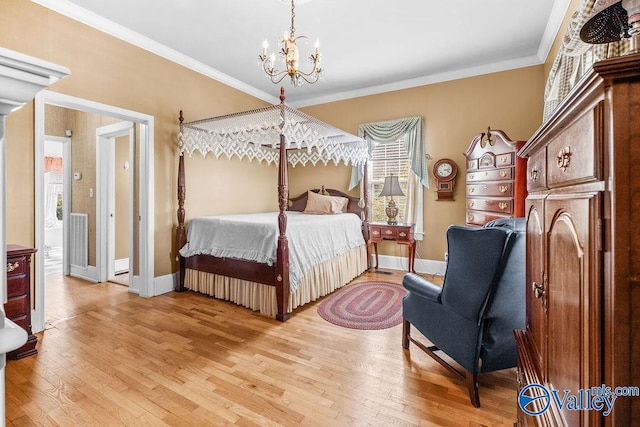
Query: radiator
79,240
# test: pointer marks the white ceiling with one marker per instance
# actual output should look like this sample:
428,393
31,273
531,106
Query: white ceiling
369,46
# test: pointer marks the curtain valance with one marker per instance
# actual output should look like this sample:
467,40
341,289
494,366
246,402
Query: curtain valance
391,130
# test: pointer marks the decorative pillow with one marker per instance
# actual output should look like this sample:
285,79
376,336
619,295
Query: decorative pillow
319,204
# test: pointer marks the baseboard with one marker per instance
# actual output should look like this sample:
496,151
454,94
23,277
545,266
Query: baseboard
164,284
426,266
121,265
89,273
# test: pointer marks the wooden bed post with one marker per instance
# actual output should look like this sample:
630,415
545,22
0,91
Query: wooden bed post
365,194
365,219
181,235
282,254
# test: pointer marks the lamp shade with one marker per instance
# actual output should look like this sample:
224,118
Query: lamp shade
609,21
391,187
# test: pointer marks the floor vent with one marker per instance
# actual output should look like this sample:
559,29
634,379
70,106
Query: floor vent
79,240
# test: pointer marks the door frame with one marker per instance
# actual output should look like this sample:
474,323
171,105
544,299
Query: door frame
143,285
105,156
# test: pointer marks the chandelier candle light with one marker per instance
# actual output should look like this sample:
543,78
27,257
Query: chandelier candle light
391,188
291,56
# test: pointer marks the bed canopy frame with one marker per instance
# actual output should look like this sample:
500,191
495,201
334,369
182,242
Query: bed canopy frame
277,134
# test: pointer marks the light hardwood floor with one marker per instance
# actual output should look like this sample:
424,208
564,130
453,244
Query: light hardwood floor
112,358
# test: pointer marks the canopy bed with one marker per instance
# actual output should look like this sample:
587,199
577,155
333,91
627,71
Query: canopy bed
264,265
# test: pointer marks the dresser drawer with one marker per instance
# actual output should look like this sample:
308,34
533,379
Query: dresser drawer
16,266
491,160
404,234
490,175
481,218
472,164
21,320
573,156
382,232
499,189
537,170
16,306
17,285
493,205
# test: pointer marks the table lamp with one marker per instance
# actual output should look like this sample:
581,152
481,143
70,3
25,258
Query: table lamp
391,188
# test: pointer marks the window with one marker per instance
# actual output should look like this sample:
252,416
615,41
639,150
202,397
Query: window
386,159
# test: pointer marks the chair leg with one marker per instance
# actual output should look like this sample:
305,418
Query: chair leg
406,333
472,384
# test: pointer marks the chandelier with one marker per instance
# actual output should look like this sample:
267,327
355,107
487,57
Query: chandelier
291,56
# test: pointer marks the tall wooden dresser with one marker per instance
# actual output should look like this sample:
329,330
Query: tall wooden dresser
495,181
583,249
18,306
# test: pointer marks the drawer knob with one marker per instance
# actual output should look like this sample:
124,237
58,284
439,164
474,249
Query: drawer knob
533,175
470,177
471,189
503,174
503,188
504,159
469,218
402,234
503,205
12,266
375,232
470,204
388,232
563,159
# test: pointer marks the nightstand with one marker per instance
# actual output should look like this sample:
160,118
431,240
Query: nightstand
401,233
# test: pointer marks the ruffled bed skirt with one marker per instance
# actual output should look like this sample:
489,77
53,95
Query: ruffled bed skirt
320,280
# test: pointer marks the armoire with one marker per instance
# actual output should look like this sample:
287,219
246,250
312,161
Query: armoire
583,251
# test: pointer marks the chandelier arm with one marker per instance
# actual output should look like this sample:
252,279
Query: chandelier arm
282,75
312,81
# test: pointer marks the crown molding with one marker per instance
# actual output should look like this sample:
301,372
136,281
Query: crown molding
554,23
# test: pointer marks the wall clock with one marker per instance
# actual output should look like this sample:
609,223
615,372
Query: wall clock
445,171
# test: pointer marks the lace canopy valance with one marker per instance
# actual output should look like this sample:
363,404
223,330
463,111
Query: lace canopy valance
255,135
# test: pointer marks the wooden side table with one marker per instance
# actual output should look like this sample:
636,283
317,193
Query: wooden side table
401,233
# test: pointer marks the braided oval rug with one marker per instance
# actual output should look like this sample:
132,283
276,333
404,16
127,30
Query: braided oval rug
364,305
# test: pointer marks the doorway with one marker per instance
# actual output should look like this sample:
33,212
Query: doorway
87,197
56,192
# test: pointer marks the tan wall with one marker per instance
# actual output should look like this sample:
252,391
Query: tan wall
110,71
454,112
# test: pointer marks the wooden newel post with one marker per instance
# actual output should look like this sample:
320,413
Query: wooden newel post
181,234
282,254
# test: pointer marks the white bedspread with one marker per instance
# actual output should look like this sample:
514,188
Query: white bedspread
312,238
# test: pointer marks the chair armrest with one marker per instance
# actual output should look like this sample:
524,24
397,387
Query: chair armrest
422,287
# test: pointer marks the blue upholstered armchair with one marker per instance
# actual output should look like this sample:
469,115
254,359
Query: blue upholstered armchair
471,317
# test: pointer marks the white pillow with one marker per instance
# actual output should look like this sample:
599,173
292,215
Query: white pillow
320,204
